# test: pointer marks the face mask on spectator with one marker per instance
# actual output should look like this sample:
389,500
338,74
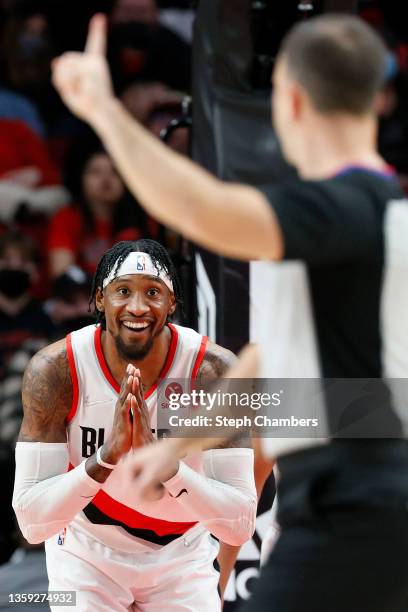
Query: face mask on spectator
14,282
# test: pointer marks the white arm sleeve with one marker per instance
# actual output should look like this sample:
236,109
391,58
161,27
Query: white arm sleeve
46,497
225,499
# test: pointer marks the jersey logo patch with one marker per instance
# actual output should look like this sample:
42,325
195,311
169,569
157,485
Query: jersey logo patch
173,388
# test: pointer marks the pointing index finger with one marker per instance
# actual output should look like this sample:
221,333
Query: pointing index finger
96,40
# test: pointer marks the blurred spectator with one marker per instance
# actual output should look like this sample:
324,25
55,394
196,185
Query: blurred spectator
11,410
11,414
27,51
155,105
24,329
21,316
18,107
151,66
143,11
179,20
69,305
22,148
79,234
143,99
27,45
141,49
27,175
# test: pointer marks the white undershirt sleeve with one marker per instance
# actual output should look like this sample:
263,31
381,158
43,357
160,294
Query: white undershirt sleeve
46,497
224,499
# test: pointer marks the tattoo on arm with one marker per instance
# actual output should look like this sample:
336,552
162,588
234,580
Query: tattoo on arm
241,440
217,361
47,396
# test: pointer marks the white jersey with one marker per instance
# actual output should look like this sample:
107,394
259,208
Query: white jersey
116,516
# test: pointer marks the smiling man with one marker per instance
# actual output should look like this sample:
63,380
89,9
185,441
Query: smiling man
101,541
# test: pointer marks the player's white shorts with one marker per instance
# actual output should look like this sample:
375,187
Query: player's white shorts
179,576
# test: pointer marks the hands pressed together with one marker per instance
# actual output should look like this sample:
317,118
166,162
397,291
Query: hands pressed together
131,423
152,464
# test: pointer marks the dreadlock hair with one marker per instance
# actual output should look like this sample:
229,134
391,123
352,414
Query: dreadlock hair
112,260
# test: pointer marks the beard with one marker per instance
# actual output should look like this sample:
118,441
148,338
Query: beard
132,352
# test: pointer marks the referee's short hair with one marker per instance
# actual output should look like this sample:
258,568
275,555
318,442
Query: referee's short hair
339,60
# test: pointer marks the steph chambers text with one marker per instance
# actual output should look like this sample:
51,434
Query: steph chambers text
240,422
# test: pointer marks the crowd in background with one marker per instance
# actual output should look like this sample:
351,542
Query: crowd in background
62,203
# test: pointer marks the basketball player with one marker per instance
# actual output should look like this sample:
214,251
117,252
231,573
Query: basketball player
88,400
336,307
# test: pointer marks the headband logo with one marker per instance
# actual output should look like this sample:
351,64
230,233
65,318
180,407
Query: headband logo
140,263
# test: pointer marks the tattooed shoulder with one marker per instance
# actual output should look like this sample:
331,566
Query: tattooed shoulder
217,360
47,395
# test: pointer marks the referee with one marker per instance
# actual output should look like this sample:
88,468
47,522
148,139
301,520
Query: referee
337,250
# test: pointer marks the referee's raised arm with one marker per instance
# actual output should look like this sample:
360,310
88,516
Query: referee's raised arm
234,220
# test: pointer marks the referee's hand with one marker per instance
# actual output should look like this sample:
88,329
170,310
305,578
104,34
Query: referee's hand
82,79
152,465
